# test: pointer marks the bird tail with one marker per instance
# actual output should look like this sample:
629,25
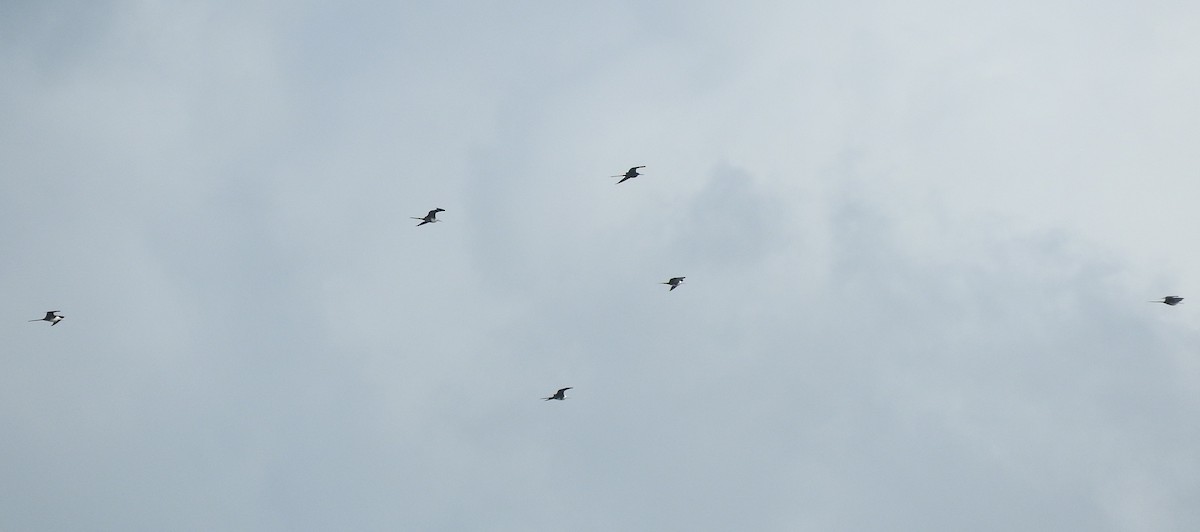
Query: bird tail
37,320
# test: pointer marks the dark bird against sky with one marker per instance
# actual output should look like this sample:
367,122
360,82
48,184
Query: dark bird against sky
1170,300
632,173
675,282
560,394
51,316
429,218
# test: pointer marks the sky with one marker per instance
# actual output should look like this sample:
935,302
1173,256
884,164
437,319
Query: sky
919,241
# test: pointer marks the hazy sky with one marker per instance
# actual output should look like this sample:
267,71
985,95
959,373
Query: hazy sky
918,238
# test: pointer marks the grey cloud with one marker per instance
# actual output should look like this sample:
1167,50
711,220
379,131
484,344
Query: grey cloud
895,316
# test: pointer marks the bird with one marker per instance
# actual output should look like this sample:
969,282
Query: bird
1170,300
429,218
52,316
675,282
632,173
559,395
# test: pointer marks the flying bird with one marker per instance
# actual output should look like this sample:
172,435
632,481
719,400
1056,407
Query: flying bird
675,282
632,173
1170,300
559,395
52,316
429,218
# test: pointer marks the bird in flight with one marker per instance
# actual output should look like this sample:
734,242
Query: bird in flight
429,218
1170,300
560,394
632,173
675,282
52,316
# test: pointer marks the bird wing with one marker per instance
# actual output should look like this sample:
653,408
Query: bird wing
50,315
627,178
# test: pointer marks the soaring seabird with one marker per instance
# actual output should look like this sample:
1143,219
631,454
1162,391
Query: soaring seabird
560,394
1170,300
51,316
675,282
429,218
632,173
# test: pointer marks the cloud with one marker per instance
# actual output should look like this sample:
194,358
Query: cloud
899,314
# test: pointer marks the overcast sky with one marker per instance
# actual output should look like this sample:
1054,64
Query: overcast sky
919,241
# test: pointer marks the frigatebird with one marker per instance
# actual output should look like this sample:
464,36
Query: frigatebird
429,218
632,173
675,282
559,395
52,316
1170,300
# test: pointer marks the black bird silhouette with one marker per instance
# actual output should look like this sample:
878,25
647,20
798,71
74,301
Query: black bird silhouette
675,282
632,173
429,218
1170,300
52,316
560,394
